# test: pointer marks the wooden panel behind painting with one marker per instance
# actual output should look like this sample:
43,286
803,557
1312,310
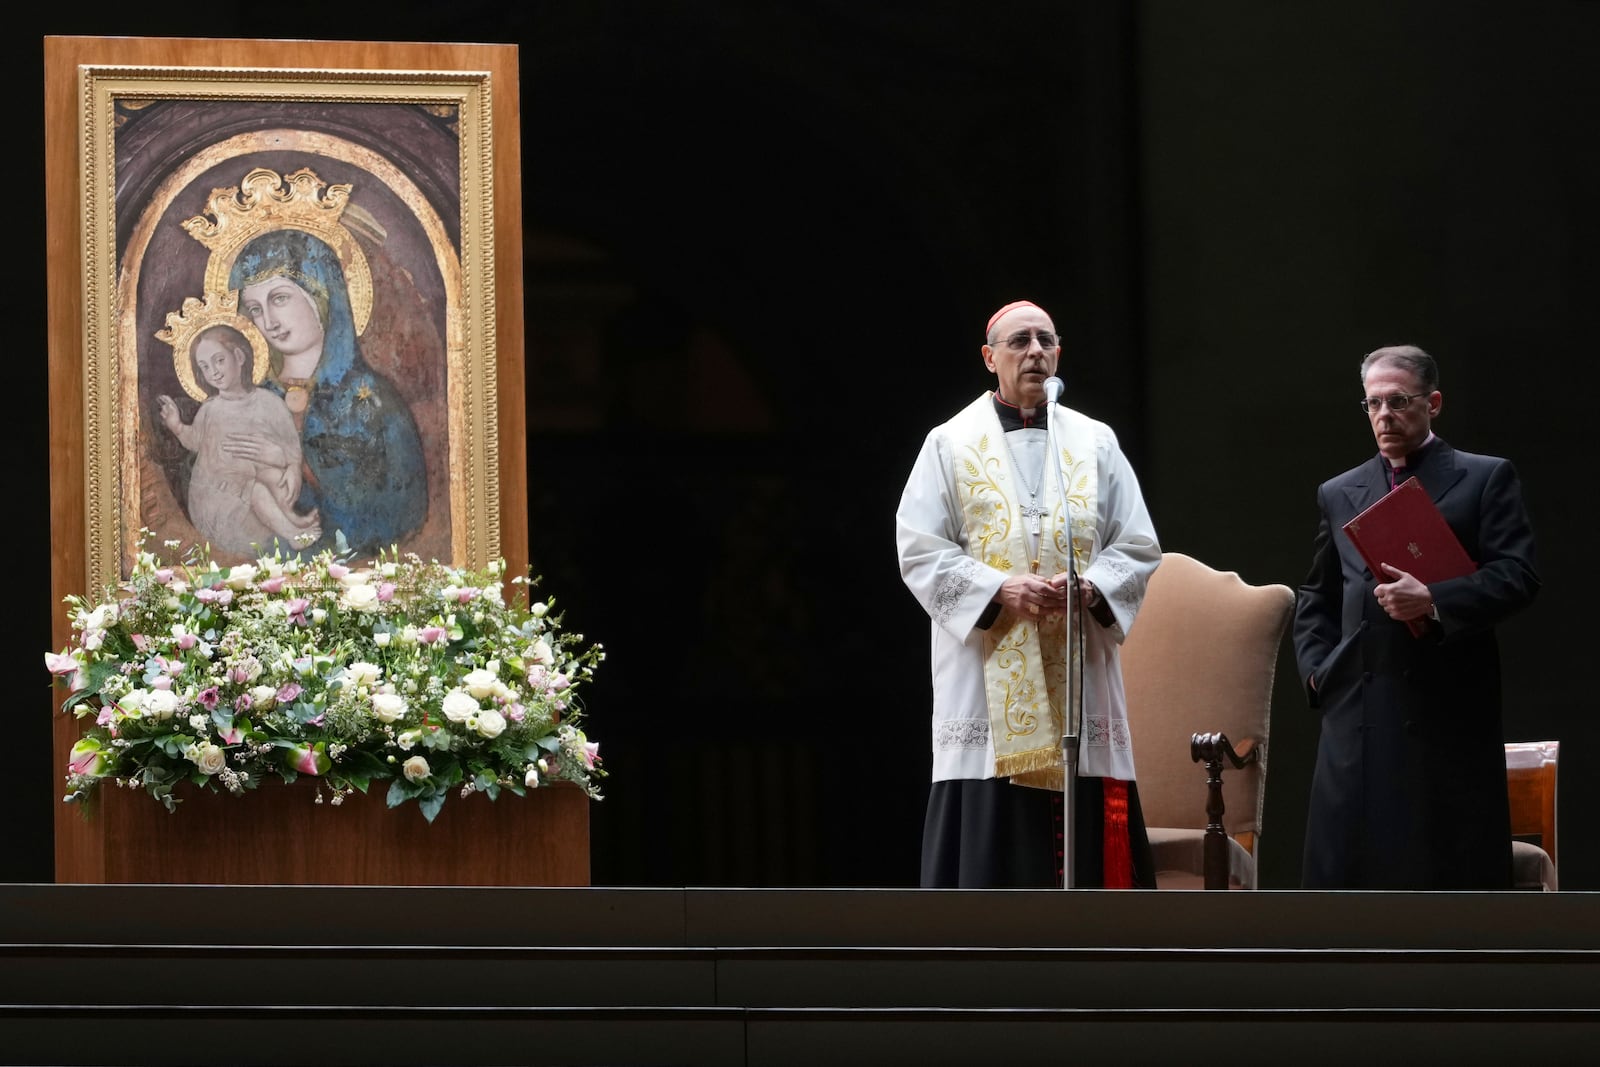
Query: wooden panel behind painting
86,850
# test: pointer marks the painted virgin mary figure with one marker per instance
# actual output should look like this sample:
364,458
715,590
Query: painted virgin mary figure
364,470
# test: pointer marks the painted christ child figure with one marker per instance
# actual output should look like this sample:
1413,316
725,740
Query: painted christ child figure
247,467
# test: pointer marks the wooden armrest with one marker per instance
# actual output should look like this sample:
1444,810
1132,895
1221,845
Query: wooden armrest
1203,748
1211,749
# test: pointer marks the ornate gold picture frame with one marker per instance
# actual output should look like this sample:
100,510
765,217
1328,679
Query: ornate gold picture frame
365,198
285,307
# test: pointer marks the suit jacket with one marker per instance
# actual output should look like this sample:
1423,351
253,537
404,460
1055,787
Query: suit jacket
1409,790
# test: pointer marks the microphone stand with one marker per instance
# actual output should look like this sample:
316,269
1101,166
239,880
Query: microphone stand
1070,726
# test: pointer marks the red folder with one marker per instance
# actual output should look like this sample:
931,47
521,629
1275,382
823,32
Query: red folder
1404,529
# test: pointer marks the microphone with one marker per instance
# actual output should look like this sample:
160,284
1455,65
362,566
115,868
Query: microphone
1052,389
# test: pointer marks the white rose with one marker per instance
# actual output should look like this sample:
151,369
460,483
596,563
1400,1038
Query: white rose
381,639
407,738
240,575
262,697
459,706
212,759
416,769
539,608
359,598
177,587
161,704
388,707
362,673
355,578
491,723
318,615
540,652
480,683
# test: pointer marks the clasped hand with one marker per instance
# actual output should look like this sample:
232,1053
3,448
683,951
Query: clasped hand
1033,594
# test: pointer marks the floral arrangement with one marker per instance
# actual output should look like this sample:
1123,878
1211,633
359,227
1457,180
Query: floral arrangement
419,674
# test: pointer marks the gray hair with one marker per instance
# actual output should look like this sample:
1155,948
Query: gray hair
1408,358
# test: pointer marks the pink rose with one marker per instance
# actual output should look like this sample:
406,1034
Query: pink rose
385,592
430,634
274,585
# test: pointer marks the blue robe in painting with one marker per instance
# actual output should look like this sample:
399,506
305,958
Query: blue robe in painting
363,454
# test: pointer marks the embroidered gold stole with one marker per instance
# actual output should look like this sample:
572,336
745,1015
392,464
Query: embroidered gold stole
1025,658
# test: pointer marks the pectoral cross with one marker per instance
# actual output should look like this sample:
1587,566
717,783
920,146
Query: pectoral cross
1033,513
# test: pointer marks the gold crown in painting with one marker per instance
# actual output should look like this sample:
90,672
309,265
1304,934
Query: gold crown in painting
196,316
265,201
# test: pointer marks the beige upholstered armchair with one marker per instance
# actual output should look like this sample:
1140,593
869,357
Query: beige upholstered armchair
1198,667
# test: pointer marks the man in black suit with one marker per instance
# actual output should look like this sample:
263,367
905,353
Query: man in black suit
1409,790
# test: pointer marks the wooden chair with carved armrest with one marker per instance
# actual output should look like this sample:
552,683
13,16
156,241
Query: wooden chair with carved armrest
1198,668
1531,787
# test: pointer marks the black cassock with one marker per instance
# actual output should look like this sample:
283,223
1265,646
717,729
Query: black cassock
990,834
1409,790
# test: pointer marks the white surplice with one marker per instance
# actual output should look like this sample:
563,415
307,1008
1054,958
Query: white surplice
937,564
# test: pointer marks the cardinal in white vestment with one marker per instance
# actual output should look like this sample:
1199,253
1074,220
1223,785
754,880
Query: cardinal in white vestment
1032,567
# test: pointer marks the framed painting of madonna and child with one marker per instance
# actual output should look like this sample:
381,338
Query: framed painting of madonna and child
299,292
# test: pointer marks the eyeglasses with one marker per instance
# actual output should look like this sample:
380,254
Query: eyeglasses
1397,402
1019,341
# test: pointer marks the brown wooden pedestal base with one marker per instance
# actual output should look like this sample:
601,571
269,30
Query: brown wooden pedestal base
279,835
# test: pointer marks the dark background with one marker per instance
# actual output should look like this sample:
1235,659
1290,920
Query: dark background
762,241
